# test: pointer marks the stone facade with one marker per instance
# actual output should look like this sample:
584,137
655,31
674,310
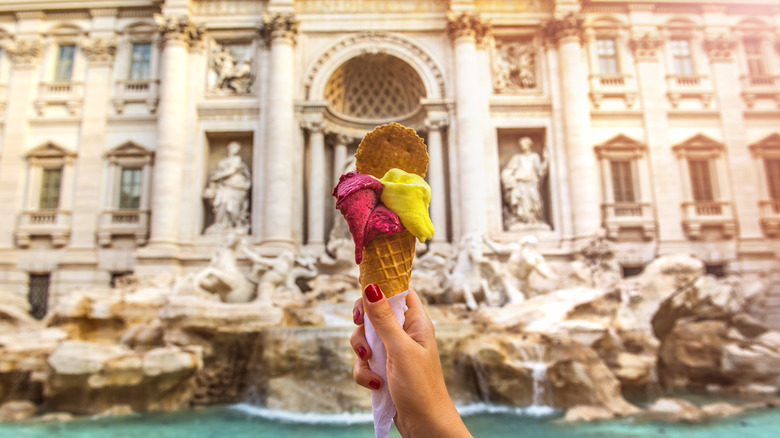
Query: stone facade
658,122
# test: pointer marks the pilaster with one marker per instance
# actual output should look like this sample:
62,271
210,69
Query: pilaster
664,166
317,181
725,75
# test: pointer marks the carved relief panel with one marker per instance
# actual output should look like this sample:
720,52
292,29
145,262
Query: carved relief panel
514,66
232,67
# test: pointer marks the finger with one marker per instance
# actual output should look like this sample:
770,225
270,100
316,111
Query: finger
382,318
359,343
364,376
357,312
418,324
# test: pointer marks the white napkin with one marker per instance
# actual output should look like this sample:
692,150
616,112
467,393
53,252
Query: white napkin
381,403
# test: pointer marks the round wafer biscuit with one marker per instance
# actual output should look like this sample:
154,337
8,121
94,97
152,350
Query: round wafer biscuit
391,146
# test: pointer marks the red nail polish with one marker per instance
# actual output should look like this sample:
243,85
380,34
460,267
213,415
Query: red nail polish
361,351
373,293
374,384
355,315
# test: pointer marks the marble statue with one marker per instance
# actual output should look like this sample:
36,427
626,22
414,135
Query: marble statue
473,274
222,278
524,259
514,68
279,274
521,181
228,192
232,76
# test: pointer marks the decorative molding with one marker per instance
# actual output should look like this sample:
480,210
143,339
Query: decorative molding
24,52
568,26
279,26
467,25
100,50
376,38
219,113
645,47
720,48
180,28
313,125
436,124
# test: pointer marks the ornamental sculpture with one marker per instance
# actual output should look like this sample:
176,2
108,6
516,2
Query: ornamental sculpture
514,68
232,76
228,193
521,181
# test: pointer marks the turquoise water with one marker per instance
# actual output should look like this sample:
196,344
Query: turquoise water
246,421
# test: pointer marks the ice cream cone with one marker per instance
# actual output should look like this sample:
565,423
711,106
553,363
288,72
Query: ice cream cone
387,259
387,262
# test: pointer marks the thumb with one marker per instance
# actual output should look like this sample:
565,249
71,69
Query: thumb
382,318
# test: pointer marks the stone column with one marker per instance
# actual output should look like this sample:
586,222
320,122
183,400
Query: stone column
725,78
317,183
280,30
339,156
664,167
25,54
566,32
436,178
177,33
464,30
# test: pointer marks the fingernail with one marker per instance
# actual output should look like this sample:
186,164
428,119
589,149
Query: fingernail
355,315
373,293
361,351
374,384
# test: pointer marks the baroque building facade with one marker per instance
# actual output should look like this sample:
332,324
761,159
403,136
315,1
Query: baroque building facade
657,122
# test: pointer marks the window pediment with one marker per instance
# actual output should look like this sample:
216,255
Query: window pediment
767,147
130,153
621,146
50,151
699,146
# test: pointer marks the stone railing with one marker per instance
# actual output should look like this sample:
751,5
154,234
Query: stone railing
770,216
52,223
66,93
689,86
133,223
612,86
626,215
134,91
712,214
760,87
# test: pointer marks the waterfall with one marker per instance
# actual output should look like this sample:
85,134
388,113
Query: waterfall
533,359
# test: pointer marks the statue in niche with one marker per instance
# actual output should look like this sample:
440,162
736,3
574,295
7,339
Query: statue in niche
228,192
232,75
521,181
514,67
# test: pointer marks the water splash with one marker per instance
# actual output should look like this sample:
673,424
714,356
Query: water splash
533,359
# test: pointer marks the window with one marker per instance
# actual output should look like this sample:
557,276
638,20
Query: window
49,197
622,181
64,68
130,188
140,61
701,180
38,295
607,53
773,177
681,56
755,63
627,212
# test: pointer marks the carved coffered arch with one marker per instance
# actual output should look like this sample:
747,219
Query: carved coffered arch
419,59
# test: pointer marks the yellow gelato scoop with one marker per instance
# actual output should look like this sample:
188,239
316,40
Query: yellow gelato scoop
408,196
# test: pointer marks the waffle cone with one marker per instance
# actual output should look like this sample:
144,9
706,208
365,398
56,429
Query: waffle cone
387,262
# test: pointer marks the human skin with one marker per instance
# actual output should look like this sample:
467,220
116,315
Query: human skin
414,373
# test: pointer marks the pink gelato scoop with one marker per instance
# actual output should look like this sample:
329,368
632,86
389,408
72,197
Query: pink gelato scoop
358,200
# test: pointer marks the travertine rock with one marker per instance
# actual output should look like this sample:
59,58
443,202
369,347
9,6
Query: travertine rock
16,410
